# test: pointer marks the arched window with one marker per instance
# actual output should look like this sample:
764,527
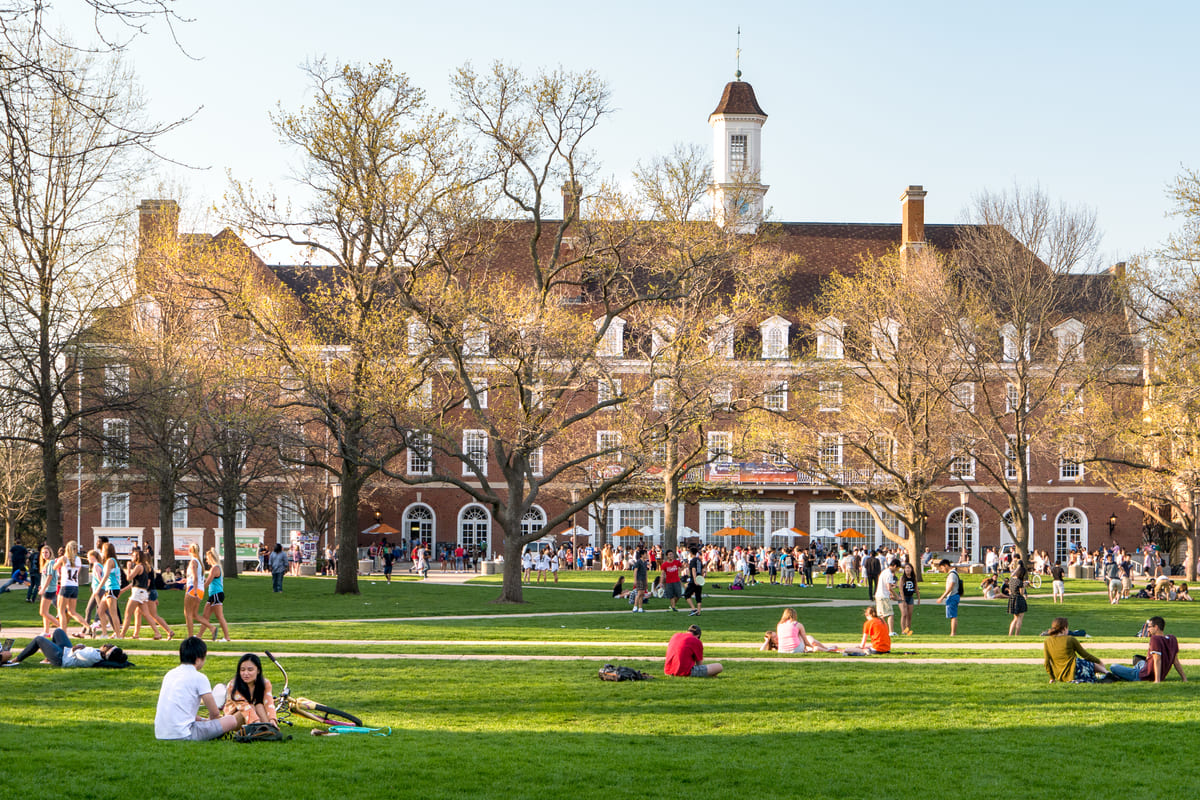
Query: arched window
474,528
418,524
533,521
1070,533
962,532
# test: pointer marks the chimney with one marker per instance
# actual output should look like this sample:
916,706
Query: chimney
572,193
158,225
912,217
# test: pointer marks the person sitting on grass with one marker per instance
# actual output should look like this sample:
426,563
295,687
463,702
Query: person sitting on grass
184,689
684,654
59,651
789,636
1161,654
990,588
250,693
1065,659
1182,593
875,638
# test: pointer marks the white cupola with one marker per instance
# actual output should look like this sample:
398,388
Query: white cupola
737,190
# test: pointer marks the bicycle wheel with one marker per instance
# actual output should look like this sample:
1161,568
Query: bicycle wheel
332,716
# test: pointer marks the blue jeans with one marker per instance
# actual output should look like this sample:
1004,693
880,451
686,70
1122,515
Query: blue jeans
1126,672
277,581
52,648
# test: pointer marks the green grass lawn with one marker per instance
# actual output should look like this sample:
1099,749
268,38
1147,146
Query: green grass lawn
785,727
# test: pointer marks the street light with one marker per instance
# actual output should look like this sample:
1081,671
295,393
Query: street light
962,521
1112,526
335,491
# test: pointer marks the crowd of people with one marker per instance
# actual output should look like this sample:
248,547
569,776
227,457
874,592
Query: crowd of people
53,583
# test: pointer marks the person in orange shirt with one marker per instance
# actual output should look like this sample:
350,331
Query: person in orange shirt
875,638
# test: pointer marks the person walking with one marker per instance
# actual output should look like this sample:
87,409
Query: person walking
694,594
1017,605
872,568
953,593
278,563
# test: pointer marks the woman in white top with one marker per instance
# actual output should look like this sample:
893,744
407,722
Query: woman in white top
193,589
68,568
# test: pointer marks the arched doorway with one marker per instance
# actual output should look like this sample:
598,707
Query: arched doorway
1070,533
419,524
962,533
474,528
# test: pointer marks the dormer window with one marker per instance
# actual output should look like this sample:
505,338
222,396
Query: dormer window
775,337
721,343
612,344
1012,346
829,338
661,336
885,338
418,338
1069,335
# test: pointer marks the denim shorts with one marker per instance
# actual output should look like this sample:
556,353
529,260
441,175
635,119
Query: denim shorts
699,671
70,592
952,606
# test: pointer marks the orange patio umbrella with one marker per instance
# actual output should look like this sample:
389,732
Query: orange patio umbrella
850,533
798,532
628,531
733,532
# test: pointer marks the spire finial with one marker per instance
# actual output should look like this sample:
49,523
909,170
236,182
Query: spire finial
738,73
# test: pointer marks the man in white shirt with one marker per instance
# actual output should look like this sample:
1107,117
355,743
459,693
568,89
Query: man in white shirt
885,593
184,690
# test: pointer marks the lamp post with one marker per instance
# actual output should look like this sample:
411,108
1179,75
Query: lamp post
962,521
335,491
1112,526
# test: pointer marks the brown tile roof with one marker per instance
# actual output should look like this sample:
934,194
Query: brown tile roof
738,98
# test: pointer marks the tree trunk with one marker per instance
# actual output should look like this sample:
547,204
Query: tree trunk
166,524
670,509
8,539
347,532
1193,536
229,501
54,524
511,590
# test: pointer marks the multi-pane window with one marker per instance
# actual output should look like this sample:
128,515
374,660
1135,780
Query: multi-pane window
1011,458
721,343
662,394
885,338
116,380
608,389
612,343
292,444
829,450
115,447
1072,399
239,516
1014,347
1012,398
962,466
737,152
829,338
720,447
775,338
475,339
475,452
422,395
1069,466
960,531
418,338
420,454
964,397
480,385
535,461
1068,535
179,519
473,529
1070,341
289,516
533,521
722,394
830,395
776,398
609,443
114,509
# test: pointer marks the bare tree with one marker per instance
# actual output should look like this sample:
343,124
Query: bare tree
68,161
1037,334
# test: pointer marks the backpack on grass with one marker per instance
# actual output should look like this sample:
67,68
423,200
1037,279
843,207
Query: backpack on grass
610,672
259,732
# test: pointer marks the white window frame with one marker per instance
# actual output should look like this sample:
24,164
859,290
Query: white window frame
420,453
721,343
739,152
612,344
418,338
829,339
774,332
608,389
662,395
963,395
830,450
114,509
609,440
480,384
962,466
289,516
829,394
475,443
239,516
965,526
885,338
1068,468
536,460
1008,343
1069,338
720,447
116,379
115,448
179,518
476,340
722,394
776,396
1010,457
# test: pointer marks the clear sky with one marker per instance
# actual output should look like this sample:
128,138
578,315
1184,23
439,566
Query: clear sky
1095,102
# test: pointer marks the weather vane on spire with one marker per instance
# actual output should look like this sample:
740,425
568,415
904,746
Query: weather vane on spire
738,73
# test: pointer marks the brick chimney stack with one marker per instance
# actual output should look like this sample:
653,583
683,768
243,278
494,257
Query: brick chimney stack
158,224
912,219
